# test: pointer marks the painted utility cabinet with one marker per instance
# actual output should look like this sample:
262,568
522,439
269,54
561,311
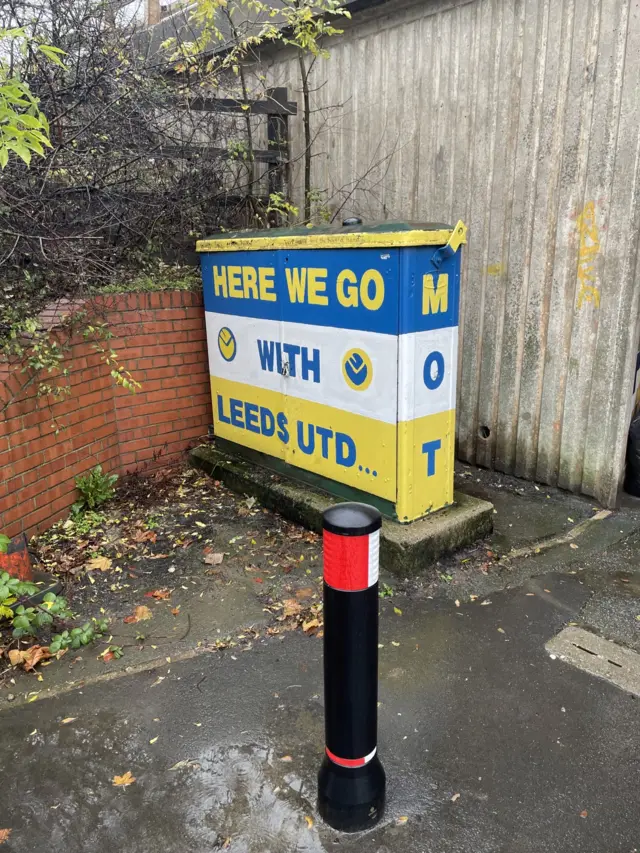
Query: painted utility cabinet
333,356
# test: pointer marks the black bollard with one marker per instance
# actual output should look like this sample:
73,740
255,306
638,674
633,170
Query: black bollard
351,781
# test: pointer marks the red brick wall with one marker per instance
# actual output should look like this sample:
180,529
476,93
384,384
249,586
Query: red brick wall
160,337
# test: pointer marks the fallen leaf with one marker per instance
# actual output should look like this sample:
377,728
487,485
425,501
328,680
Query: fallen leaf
305,592
124,780
145,536
291,607
310,625
258,580
186,762
455,797
250,502
584,813
484,603
154,739
286,758
28,658
107,655
67,720
397,610
140,614
573,545
213,559
103,564
158,594
200,524
4,835
393,643
309,821
547,590
402,819
529,593
175,610
501,630
457,602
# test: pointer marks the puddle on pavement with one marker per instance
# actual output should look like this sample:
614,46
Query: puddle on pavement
235,797
244,804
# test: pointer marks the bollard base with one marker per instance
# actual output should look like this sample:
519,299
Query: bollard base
351,799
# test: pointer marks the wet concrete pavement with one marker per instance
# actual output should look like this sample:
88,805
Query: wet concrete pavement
544,757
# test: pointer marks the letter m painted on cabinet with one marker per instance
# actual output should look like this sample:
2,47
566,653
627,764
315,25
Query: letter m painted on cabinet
435,297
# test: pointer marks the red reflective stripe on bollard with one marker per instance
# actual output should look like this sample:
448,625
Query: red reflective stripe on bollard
349,762
351,563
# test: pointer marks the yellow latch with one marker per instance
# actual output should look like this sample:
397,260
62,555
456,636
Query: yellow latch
457,238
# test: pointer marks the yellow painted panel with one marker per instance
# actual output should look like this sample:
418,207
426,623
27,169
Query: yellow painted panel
358,240
425,464
349,448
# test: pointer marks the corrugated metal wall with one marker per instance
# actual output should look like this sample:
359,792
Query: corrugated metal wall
521,117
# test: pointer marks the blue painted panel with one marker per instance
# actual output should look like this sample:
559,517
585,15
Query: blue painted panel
430,297
342,288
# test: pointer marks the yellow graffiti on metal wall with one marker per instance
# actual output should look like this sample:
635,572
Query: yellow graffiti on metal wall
588,250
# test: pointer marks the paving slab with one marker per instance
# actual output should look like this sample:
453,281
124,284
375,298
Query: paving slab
489,744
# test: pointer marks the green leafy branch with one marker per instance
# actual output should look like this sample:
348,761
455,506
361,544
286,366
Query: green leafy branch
24,129
120,375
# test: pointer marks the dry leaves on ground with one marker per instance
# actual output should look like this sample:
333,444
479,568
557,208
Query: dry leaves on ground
159,594
213,559
140,614
4,835
28,658
291,608
124,780
305,592
145,536
103,564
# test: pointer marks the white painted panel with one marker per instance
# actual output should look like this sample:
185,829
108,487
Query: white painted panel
377,400
436,352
